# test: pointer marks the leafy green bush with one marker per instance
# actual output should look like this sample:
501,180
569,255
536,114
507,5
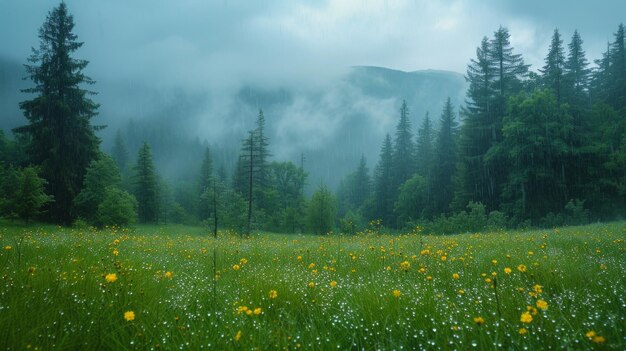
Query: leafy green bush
117,208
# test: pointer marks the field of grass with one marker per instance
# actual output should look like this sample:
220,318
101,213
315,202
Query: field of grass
153,288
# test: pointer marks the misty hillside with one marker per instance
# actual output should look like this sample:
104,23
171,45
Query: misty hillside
332,125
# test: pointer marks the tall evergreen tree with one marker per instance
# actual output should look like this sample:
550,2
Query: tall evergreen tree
120,152
383,185
146,187
424,152
205,183
445,160
403,151
576,73
552,71
616,96
62,139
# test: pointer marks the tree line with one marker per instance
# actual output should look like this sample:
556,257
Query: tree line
526,148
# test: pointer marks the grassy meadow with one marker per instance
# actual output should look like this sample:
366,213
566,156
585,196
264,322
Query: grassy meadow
152,288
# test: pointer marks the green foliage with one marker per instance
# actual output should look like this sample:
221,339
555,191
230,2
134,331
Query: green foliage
145,187
29,196
101,174
117,208
382,203
321,211
62,140
412,200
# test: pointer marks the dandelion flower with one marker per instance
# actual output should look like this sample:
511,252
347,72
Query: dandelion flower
257,311
541,304
405,265
507,270
521,268
111,277
273,294
455,276
523,331
236,267
243,261
396,293
311,285
598,339
333,284
168,274
8,248
479,320
526,318
129,316
590,334
537,288
237,336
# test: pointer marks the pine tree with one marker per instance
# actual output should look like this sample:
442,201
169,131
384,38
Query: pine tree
62,139
403,151
552,71
362,184
205,182
120,152
576,73
383,185
424,153
145,184
616,96
30,196
445,160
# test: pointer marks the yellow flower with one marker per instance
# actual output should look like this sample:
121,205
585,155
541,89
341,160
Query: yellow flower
532,310
507,270
521,268
111,277
526,318
129,316
461,292
541,304
443,258
405,265
242,309
396,293
115,252
236,267
333,284
257,311
237,336
488,280
388,268
8,248
116,241
455,276
523,331
243,261
479,320
311,265
168,274
429,278
537,288
299,258
494,261
273,294
311,284
598,339
590,334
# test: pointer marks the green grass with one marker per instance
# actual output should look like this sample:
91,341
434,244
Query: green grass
54,294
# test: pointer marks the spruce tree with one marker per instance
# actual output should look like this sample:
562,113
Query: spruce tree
403,151
120,152
383,185
445,160
145,187
576,73
552,71
205,183
62,139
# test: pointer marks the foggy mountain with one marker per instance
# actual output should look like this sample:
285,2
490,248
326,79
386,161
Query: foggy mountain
331,124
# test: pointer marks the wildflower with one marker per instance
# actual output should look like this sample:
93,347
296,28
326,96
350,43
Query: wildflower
242,309
168,274
532,310
237,336
257,311
425,252
523,331
311,285
299,258
236,267
537,288
443,258
429,277
111,277
129,316
541,304
405,265
273,294
521,268
455,276
461,292
243,261
116,241
116,252
598,339
494,261
396,293
333,284
31,270
488,280
590,334
526,318
8,248
311,265
507,270
479,320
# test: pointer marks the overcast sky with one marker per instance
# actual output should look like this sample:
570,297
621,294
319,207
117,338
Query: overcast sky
224,42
